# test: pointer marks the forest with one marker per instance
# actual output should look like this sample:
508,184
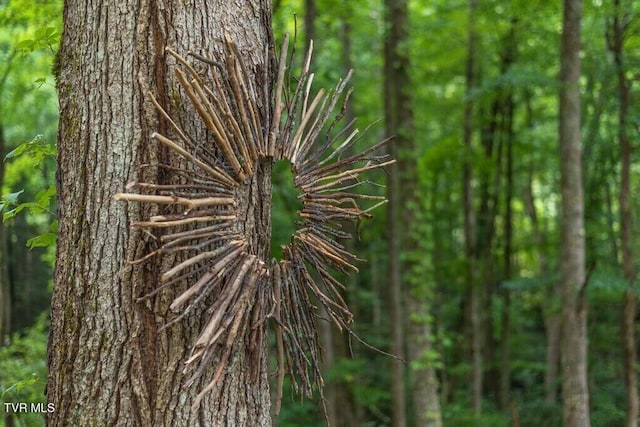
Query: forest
497,286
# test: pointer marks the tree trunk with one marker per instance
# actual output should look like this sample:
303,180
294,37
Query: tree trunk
418,293
5,286
310,20
616,45
505,366
394,194
108,364
572,243
473,283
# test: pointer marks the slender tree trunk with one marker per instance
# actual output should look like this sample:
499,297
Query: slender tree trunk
574,342
399,113
508,59
396,313
490,178
310,13
108,363
394,195
473,283
5,286
505,365
403,201
616,45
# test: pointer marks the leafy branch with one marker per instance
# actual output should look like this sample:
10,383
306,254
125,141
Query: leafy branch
38,150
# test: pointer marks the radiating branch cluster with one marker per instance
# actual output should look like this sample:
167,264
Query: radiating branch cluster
239,290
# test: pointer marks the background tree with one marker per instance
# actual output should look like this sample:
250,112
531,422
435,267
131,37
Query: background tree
616,36
397,120
410,294
470,230
573,279
107,361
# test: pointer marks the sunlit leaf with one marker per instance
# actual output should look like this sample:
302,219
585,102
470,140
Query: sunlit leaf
43,198
12,198
42,241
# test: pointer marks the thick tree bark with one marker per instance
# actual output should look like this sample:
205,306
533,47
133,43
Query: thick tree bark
574,340
108,364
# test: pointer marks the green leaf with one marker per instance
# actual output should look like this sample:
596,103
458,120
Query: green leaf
26,383
43,198
34,208
38,149
26,46
42,241
15,152
13,212
39,82
12,198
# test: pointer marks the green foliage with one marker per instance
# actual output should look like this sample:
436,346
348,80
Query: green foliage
460,415
23,372
40,205
46,37
29,36
37,152
285,207
356,376
297,411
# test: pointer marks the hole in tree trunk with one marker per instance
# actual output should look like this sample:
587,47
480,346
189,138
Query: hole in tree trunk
285,207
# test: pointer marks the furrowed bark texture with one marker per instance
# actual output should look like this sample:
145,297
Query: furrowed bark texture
108,364
575,390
